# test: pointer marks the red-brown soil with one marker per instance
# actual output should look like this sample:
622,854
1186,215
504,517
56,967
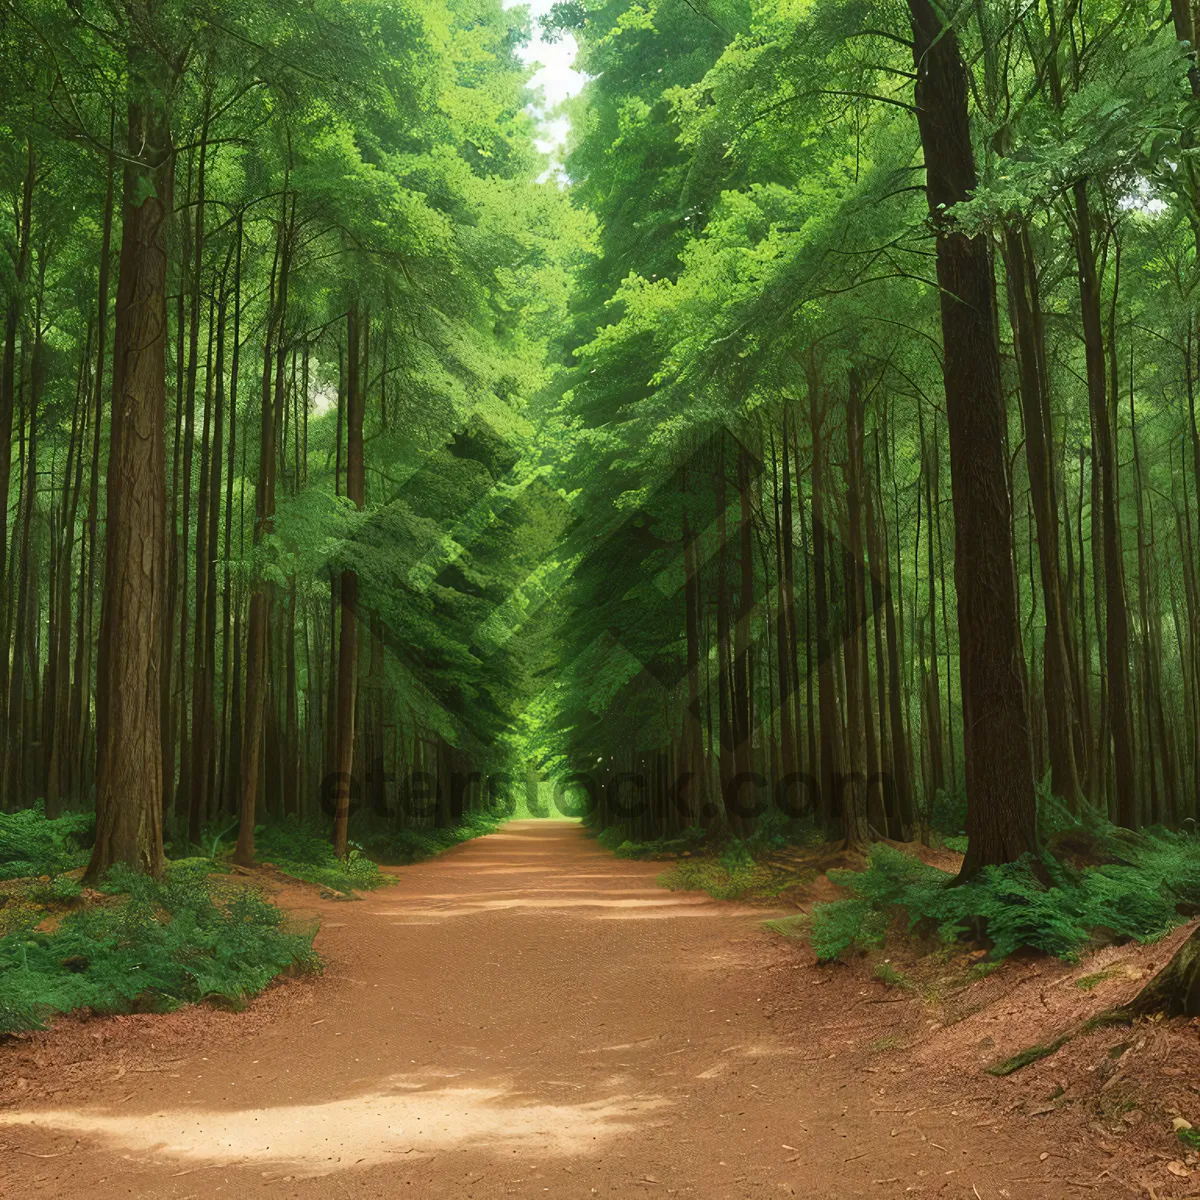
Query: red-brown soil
528,1016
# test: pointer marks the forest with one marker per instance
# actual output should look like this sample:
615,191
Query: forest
793,472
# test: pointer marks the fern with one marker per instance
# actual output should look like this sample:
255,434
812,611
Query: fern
31,844
154,946
1139,896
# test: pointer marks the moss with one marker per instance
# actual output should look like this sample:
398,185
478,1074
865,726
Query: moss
1088,982
1031,1055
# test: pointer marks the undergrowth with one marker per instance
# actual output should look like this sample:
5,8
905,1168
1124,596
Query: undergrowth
383,841
152,946
1103,882
714,861
773,831
30,844
302,849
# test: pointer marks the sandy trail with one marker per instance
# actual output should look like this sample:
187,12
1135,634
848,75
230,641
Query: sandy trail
523,1016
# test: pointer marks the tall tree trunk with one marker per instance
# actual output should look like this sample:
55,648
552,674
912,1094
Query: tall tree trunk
230,625
347,695
258,632
1116,622
12,322
1060,707
831,768
129,782
743,701
58,698
858,707
901,769
1001,812
83,662
696,799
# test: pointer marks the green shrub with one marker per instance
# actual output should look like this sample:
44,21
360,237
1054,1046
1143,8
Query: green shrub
31,844
617,839
1058,908
771,832
948,814
302,849
154,946
385,842
62,889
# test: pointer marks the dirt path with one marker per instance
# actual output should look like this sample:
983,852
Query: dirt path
524,1016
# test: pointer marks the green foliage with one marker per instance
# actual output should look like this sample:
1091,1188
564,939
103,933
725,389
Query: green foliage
617,839
388,844
1189,1137
1088,982
891,976
1059,909
32,844
62,889
732,872
949,813
153,946
1030,1055
790,927
771,832
303,850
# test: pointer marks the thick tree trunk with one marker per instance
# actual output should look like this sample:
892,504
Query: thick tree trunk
129,783
1001,813
1175,990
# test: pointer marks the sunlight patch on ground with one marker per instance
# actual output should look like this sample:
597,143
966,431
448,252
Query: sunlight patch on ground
318,1139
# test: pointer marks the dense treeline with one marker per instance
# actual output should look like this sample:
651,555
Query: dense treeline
278,283
856,478
883,412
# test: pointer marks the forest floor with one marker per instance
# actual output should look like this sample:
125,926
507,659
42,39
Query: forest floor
527,1015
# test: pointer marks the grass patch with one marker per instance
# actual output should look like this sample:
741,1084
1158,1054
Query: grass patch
1088,982
792,927
149,947
981,970
1189,1137
733,874
891,976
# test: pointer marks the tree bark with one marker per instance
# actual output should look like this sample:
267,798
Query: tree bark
1116,623
258,632
1060,707
1001,812
129,783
